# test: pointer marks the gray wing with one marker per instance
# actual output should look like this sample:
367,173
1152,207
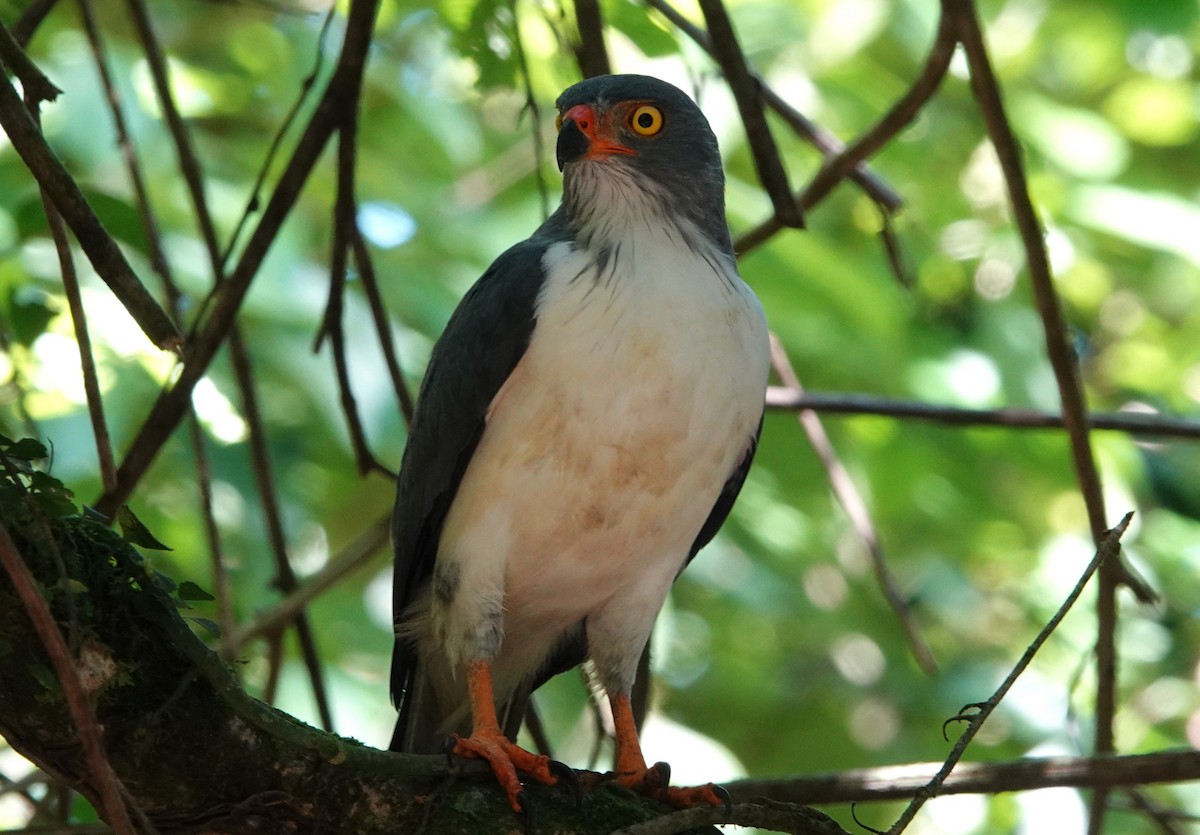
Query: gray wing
484,340
729,493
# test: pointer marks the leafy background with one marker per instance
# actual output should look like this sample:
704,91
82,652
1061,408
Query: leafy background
777,654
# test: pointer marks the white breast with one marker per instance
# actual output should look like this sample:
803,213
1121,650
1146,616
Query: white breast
607,447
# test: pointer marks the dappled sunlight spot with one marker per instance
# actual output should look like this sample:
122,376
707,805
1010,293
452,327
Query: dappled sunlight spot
385,224
695,758
1122,313
1051,812
14,806
858,658
309,551
228,507
844,28
1141,364
1038,702
825,586
682,647
874,723
1078,141
995,278
955,814
1166,698
1086,283
1191,382
377,599
216,413
1164,56
962,378
1152,219
982,181
1154,111
56,379
1065,511
1140,640
964,239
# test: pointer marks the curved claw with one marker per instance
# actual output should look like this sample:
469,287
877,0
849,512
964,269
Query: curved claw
506,757
525,807
567,777
726,801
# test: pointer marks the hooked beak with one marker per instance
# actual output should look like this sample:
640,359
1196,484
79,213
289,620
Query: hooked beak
580,137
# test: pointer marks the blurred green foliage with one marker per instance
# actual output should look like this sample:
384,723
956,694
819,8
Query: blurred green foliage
777,643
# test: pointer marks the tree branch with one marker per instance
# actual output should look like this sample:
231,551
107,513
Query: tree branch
901,782
97,244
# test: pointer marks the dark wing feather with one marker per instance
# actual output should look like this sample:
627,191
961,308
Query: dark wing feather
484,340
733,486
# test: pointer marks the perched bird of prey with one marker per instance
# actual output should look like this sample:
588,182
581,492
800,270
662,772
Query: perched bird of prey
586,421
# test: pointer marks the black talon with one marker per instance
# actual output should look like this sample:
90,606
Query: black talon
448,749
567,776
662,773
726,800
527,816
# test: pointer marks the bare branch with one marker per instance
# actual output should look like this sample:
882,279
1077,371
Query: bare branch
97,244
1110,548
856,511
814,134
108,786
1138,423
166,413
901,782
591,52
748,93
837,167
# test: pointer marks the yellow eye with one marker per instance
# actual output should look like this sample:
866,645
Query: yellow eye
558,121
646,120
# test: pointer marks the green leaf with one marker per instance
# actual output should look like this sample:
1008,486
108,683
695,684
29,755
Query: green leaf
190,591
209,626
29,313
134,532
28,449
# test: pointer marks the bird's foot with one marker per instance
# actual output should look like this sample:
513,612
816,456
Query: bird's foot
506,758
655,782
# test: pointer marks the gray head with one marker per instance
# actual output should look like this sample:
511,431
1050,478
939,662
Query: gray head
649,134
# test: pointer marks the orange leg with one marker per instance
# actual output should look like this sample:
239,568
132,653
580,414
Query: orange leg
489,743
653,781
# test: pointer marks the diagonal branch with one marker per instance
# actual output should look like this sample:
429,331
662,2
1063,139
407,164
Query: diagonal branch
1110,549
748,92
852,503
838,167
210,333
97,243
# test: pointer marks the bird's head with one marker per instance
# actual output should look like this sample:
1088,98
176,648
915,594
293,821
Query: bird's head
643,137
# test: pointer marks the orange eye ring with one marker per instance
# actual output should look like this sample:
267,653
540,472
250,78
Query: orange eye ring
646,120
558,121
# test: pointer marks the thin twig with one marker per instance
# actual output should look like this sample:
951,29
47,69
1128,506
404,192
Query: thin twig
1150,425
264,480
97,244
353,556
761,813
36,86
1110,548
387,345
814,134
899,115
590,52
747,91
210,333
852,503
533,110
107,783
31,18
83,341
901,782
1062,360
344,221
